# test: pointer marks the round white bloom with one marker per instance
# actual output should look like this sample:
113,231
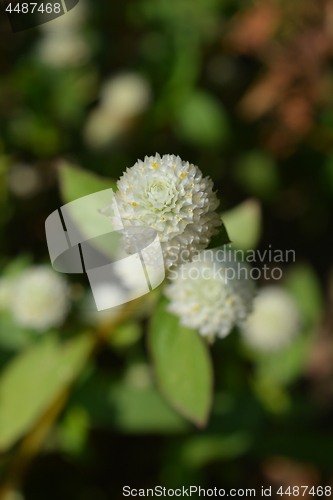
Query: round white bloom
41,299
122,99
6,293
172,197
211,296
274,321
126,95
63,49
102,128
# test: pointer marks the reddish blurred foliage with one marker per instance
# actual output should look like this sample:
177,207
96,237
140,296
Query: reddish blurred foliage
282,471
294,44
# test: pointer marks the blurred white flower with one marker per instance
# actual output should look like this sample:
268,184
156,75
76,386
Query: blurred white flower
211,296
62,49
102,128
6,293
274,322
172,197
40,299
122,99
23,180
126,95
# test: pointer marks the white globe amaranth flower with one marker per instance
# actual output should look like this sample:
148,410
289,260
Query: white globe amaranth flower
211,296
274,322
6,293
172,197
41,299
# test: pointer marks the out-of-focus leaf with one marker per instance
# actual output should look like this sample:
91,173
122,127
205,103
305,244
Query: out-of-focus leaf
182,366
271,393
71,92
126,334
257,173
202,120
286,365
199,451
34,379
129,407
73,431
220,239
143,410
303,284
244,224
12,337
76,183
36,133
16,266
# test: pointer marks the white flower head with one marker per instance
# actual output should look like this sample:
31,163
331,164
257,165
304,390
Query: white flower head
274,322
172,197
211,296
41,299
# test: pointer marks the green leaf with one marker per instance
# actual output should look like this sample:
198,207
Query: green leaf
302,282
76,183
143,411
244,224
219,239
202,120
16,266
258,174
199,451
131,405
12,336
182,366
34,379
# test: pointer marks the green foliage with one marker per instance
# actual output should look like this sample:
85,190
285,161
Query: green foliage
303,284
76,183
202,121
244,224
200,451
182,366
258,175
142,410
220,239
132,405
34,379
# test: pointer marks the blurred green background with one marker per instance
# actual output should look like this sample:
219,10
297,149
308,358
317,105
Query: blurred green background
244,90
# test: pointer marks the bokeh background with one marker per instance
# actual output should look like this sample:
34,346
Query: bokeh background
243,89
